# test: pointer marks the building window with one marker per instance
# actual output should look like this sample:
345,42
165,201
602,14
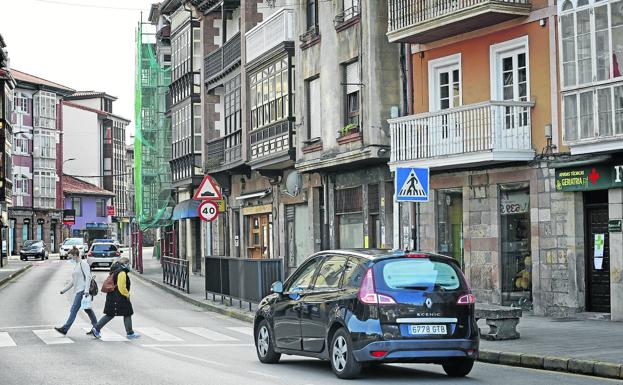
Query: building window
26,230
515,241
352,82
76,204
233,118
313,109
591,56
44,189
312,14
44,149
100,208
44,110
270,94
350,9
20,145
349,213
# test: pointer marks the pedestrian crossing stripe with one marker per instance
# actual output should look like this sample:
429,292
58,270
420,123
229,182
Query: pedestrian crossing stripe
52,337
412,184
108,335
6,340
209,334
242,329
159,335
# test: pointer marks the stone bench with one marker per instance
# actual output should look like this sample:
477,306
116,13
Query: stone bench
502,321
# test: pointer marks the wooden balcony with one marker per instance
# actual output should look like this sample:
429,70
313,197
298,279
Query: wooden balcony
220,62
272,147
424,21
224,153
274,31
469,135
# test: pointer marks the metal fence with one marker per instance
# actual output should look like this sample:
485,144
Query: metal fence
245,280
176,272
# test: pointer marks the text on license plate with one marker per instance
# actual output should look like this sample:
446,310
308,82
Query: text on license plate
427,329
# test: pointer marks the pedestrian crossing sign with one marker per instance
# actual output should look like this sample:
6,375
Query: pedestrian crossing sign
412,184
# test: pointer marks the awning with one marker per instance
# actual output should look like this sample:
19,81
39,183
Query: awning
186,209
259,194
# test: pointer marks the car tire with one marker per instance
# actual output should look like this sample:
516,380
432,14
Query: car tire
458,367
343,362
264,344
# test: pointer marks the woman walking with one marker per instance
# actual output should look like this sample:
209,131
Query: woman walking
80,281
118,301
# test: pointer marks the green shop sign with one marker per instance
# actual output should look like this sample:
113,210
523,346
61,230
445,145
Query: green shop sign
587,178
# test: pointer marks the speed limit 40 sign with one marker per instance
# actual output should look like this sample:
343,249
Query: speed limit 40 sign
208,211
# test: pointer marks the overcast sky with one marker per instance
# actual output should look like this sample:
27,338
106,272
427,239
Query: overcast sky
88,46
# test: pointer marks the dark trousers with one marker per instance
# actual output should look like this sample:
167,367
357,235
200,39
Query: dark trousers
73,312
127,322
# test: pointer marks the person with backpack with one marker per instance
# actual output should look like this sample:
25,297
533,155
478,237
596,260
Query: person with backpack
117,289
82,283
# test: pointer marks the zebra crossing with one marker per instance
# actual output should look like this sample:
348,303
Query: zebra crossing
185,334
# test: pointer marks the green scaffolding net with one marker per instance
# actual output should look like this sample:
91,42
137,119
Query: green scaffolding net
152,144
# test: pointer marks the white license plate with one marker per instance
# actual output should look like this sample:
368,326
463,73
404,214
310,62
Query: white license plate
427,329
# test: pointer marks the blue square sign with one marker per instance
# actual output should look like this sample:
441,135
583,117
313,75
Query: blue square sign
412,184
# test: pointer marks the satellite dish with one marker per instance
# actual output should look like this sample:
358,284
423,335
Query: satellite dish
294,183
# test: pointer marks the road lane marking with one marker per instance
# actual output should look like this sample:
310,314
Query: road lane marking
264,374
209,334
6,340
198,345
52,337
165,351
158,334
242,329
26,327
109,335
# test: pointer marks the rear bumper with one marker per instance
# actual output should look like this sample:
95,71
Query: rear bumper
96,261
419,350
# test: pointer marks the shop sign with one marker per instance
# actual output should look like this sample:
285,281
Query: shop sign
597,177
69,217
614,226
221,205
514,203
252,210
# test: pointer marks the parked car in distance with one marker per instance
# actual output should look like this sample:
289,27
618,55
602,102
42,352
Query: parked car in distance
353,307
69,243
34,249
103,254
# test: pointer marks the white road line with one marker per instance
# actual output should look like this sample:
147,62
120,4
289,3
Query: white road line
198,345
6,340
209,334
26,327
52,337
188,357
109,335
242,329
263,374
158,334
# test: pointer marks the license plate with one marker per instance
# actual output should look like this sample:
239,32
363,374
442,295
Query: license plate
427,329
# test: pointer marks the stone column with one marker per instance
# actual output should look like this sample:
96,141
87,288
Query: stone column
615,211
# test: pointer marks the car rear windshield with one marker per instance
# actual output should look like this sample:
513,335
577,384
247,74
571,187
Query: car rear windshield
33,243
74,242
417,274
104,248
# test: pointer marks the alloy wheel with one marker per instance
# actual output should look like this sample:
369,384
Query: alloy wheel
340,353
263,339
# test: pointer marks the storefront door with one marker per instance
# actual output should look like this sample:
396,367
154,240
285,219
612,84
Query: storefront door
450,224
598,259
259,236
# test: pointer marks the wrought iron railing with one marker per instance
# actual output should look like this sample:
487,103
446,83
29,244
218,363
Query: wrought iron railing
176,273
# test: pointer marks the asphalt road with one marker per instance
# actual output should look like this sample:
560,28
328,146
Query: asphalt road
181,344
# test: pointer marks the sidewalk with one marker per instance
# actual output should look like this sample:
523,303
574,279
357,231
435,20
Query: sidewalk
12,269
590,347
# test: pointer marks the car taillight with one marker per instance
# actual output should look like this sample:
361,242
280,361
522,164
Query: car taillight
368,294
90,254
117,253
467,299
378,353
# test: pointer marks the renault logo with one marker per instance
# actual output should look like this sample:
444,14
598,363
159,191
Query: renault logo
429,303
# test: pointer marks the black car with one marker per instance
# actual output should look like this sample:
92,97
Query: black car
33,248
353,307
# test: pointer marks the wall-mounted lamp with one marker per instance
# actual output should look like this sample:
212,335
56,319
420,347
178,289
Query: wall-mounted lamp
543,22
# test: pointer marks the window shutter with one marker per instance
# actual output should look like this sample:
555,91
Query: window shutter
352,78
314,108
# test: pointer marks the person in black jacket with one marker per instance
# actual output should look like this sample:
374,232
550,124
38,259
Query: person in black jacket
118,301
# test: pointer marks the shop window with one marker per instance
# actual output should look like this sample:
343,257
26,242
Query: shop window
349,213
450,224
515,242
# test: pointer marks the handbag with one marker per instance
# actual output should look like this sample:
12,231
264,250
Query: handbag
86,302
108,286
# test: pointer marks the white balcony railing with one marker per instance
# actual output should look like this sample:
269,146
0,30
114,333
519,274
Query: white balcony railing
278,28
489,127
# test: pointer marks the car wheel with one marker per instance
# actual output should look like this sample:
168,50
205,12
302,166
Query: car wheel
458,367
264,344
343,361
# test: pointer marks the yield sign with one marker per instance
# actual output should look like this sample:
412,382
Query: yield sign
208,191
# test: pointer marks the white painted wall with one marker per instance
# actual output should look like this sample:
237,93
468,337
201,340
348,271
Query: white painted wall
82,141
91,103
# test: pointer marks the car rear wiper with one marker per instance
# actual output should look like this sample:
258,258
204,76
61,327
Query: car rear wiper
421,287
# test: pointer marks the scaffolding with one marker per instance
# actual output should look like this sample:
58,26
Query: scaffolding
152,145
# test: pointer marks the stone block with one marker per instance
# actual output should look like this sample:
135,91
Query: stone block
489,356
615,195
485,218
607,369
544,201
556,363
615,210
540,185
581,366
560,285
532,361
545,229
548,243
474,218
478,192
479,180
544,215
510,358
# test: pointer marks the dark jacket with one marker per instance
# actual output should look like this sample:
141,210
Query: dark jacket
116,303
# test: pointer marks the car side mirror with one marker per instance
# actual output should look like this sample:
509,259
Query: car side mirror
277,287
120,251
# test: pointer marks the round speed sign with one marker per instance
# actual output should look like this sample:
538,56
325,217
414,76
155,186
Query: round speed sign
208,211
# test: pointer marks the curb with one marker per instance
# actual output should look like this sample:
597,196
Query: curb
523,360
558,364
205,305
16,274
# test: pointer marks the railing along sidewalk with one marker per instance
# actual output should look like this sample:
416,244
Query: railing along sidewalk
176,273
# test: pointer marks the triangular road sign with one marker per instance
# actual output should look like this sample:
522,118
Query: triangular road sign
208,190
412,187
